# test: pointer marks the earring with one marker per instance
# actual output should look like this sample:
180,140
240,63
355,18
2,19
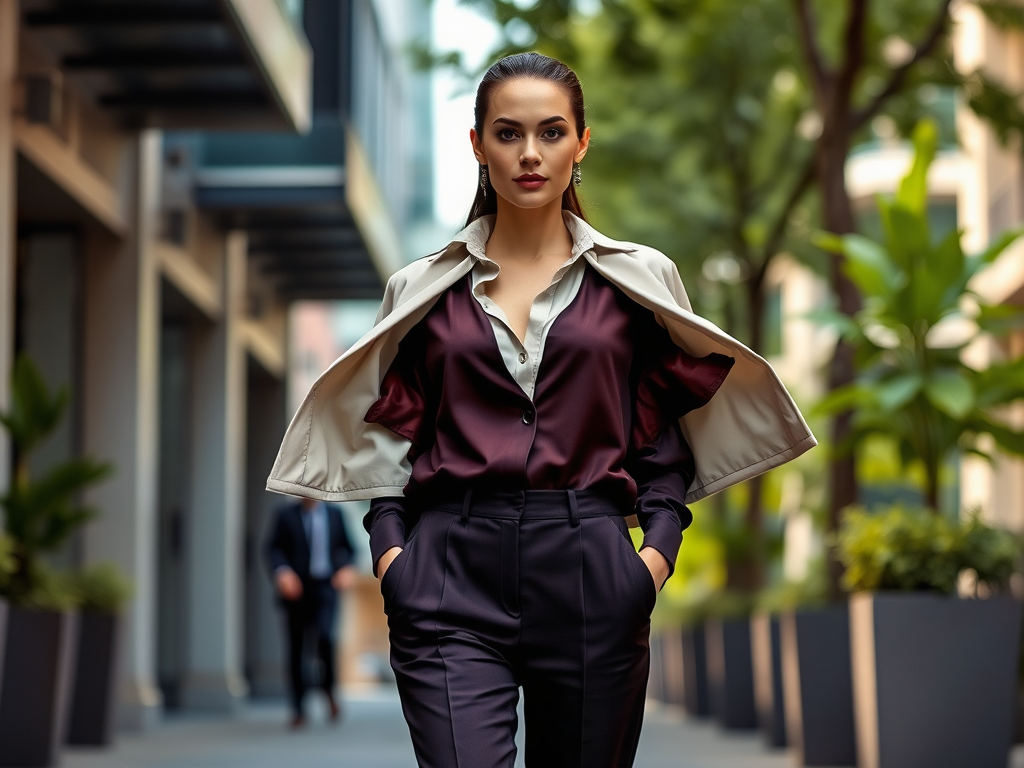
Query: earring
577,174
483,179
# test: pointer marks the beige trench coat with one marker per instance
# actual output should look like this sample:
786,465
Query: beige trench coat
751,425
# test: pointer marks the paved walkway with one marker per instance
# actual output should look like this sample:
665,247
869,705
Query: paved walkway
373,735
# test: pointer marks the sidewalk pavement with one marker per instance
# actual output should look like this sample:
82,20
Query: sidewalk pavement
373,735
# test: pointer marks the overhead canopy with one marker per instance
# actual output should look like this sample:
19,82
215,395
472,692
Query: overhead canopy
180,63
316,224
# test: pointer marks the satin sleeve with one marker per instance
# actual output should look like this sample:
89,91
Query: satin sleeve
401,407
402,403
667,383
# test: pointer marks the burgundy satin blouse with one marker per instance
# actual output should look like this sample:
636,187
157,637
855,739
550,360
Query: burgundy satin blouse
610,390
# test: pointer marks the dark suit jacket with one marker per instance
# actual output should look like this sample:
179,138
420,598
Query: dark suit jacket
288,545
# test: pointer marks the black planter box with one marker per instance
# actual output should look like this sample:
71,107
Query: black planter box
94,692
696,698
818,686
654,678
671,660
38,664
766,654
4,611
730,673
935,679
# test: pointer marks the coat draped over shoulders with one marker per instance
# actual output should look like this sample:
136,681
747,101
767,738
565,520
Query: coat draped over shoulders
329,452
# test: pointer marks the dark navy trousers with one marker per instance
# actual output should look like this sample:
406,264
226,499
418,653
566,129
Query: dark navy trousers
538,589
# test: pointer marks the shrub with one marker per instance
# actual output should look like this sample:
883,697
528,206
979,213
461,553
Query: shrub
103,588
906,549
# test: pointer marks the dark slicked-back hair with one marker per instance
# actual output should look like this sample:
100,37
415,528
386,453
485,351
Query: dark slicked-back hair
521,66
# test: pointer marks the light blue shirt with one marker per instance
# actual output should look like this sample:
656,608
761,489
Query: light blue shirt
318,535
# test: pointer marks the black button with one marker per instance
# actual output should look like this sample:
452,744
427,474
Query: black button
528,417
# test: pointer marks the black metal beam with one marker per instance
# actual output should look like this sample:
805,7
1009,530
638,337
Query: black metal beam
330,277
126,14
329,294
185,99
303,240
326,255
168,58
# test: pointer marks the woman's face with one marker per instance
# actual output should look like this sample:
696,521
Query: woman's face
528,142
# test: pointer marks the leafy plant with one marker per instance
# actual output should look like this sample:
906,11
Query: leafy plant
6,559
39,515
811,592
912,549
919,316
103,588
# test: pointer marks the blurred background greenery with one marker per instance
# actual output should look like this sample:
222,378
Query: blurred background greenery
721,133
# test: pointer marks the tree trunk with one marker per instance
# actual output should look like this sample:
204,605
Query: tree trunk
837,212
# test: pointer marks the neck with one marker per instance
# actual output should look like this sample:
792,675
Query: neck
529,233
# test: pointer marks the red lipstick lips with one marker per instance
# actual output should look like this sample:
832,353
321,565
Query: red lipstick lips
530,181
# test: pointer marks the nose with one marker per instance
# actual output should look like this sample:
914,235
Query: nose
531,152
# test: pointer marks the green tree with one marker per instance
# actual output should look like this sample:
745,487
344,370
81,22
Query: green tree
919,315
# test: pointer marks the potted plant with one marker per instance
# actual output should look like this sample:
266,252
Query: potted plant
817,689
38,515
729,662
914,388
934,674
771,605
6,568
692,638
103,592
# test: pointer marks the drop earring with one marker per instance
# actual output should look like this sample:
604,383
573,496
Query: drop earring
577,174
483,179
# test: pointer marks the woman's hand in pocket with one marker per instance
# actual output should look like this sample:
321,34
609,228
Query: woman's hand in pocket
386,560
656,564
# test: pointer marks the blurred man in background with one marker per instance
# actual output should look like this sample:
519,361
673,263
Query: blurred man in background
310,555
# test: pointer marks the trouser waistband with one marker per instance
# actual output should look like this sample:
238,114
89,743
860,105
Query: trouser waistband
528,505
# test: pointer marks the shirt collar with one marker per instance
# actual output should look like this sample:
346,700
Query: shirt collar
475,235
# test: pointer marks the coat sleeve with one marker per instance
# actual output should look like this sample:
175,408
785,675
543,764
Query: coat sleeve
667,383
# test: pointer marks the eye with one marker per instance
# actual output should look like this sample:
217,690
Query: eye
507,134
553,133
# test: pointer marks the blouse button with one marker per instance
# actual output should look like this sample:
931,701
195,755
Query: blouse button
522,357
528,417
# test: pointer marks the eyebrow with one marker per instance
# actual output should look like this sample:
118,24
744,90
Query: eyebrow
545,121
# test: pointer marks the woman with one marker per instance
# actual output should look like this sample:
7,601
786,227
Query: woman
522,393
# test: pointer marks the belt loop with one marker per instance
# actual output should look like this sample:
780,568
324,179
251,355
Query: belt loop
465,506
574,513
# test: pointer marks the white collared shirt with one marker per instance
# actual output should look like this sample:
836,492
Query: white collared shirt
522,358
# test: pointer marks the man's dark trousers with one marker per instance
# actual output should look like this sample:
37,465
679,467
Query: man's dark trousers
289,546
315,611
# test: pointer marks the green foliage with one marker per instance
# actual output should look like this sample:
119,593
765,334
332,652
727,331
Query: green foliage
103,588
913,549
919,315
812,592
40,514
7,562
